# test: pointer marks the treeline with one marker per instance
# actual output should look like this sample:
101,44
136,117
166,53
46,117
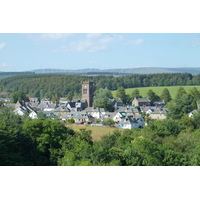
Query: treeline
46,142
44,85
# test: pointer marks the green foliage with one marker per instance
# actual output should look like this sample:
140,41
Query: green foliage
142,152
70,96
102,99
18,96
165,96
165,127
108,122
169,142
44,85
41,115
181,91
135,94
70,121
153,96
121,94
181,106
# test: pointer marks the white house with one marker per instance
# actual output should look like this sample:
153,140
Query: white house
130,122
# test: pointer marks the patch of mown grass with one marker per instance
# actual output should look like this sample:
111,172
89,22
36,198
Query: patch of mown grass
97,131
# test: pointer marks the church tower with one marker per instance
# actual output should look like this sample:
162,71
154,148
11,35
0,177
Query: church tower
87,92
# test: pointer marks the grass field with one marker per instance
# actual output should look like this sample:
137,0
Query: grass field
97,131
158,90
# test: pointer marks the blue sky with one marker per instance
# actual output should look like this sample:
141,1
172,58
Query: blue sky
26,51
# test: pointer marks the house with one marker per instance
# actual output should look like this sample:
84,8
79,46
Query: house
33,100
79,117
107,115
130,122
49,114
61,111
122,112
141,102
97,113
159,103
118,103
46,106
22,108
157,113
192,113
46,100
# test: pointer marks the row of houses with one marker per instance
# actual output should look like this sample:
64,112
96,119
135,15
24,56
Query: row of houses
126,117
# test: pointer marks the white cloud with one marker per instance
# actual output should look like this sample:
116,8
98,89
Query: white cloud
81,45
92,42
136,42
111,39
2,45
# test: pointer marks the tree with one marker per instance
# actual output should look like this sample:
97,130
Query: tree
180,106
49,135
41,115
102,99
70,96
121,94
135,94
55,98
165,127
165,96
17,149
142,152
180,92
19,96
108,122
153,96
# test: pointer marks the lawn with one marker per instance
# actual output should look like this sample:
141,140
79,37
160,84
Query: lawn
97,131
158,90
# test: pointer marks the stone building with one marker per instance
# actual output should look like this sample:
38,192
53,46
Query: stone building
87,92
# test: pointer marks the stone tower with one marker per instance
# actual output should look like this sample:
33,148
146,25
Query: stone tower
87,92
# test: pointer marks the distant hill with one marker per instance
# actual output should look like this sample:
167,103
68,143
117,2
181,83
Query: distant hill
8,74
120,71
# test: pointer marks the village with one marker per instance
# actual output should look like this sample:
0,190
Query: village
82,111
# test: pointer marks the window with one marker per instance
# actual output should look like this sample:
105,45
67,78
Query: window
84,91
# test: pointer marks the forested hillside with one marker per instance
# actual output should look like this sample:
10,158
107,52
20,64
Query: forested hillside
44,85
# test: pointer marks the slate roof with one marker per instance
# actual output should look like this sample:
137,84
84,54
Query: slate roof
143,100
61,109
159,111
129,120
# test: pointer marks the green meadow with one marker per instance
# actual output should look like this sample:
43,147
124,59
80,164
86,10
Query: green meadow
158,90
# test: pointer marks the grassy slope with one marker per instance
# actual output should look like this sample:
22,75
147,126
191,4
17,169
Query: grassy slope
97,131
158,90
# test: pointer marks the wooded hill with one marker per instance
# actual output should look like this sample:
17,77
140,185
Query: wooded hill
44,85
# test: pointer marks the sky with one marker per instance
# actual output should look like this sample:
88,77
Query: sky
29,51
